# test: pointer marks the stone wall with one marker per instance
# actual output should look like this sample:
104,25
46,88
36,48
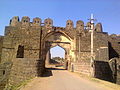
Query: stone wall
1,44
24,69
118,71
114,46
118,77
32,37
15,36
5,69
101,46
82,66
103,71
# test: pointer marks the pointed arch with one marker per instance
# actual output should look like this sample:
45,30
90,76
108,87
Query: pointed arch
53,32
58,46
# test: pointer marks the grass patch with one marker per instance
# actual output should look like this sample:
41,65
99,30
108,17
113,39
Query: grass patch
110,85
106,84
19,86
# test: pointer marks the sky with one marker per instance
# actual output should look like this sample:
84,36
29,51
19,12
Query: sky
105,11
57,51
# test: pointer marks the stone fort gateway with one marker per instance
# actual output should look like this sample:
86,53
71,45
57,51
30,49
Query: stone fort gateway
25,49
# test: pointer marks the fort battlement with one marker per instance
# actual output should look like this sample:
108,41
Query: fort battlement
37,22
27,45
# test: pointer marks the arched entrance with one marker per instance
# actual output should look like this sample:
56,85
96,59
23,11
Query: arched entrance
56,56
61,39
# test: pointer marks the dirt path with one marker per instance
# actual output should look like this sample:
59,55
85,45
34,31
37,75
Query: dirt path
58,79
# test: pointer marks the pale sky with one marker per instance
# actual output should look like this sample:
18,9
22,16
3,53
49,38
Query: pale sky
57,51
105,11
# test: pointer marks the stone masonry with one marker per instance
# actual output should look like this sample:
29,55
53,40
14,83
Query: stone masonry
26,44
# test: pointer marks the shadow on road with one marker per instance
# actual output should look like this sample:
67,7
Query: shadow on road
55,69
48,71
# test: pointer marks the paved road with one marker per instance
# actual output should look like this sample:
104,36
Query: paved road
62,80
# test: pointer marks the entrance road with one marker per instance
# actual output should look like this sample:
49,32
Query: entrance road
58,79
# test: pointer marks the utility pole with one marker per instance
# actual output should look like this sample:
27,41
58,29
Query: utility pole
79,44
92,29
92,43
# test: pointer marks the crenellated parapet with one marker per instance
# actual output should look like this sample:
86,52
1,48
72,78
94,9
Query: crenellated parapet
80,25
48,24
25,21
98,27
14,21
36,22
88,26
69,25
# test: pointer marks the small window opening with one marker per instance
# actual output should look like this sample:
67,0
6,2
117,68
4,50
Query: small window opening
3,72
20,52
